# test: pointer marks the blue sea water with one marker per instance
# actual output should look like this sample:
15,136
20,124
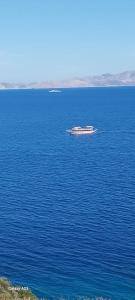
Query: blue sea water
67,203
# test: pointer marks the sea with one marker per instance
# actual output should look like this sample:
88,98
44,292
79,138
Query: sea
67,203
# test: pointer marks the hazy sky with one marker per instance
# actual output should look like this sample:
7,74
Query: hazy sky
58,39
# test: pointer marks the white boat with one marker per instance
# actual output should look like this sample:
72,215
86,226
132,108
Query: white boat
54,91
82,130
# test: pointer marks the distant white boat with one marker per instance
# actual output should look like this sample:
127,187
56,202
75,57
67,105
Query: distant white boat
82,130
54,91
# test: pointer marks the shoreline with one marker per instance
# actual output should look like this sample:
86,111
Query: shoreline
67,88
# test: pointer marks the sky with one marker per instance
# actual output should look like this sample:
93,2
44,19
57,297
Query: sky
61,39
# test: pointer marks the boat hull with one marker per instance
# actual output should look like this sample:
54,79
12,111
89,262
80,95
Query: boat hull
81,132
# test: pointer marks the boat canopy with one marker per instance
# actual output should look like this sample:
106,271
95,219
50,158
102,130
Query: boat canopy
77,127
91,127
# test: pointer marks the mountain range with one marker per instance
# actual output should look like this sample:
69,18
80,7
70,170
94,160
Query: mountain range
126,78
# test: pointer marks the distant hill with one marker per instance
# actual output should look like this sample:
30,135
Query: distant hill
126,78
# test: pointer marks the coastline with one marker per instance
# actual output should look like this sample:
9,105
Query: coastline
126,78
9,291
67,88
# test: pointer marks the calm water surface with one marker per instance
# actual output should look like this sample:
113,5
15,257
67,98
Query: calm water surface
67,204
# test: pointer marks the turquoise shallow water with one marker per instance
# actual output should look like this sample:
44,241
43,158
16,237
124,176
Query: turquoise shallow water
67,204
